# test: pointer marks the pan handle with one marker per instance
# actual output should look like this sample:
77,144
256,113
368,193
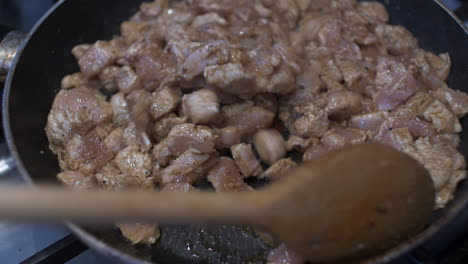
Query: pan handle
9,46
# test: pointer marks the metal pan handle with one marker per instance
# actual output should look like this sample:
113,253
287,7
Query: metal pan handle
9,46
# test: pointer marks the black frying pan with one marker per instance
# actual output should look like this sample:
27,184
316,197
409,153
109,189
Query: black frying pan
35,77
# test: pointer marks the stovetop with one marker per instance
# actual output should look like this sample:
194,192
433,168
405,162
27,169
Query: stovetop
33,243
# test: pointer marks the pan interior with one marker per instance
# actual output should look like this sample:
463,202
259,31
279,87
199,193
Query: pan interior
47,58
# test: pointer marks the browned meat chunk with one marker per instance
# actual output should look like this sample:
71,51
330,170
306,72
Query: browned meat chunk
178,187
164,102
163,126
396,39
121,109
457,101
75,80
182,167
405,118
374,12
186,136
342,104
202,106
441,64
76,180
369,121
115,141
398,138
75,111
248,120
140,233
444,164
246,161
133,162
227,137
337,138
283,255
225,177
270,145
279,169
441,118
397,93
111,177
96,58
126,80
108,78
85,153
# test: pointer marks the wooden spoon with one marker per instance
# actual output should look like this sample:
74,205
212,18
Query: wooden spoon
350,203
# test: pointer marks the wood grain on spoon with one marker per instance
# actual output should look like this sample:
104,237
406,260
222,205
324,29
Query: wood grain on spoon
353,202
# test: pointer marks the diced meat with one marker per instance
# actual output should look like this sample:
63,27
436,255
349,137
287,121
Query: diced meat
442,161
228,76
133,162
351,70
441,64
388,69
85,153
209,18
110,177
96,58
76,180
126,80
406,118
186,136
312,121
246,161
227,137
396,39
183,166
249,120
279,169
79,50
74,80
153,9
457,101
441,118
163,126
162,154
452,139
164,102
299,144
115,141
374,12
337,138
342,104
283,255
397,93
75,111
140,233
121,110
225,177
370,121
202,106
447,193
108,78
398,138
270,145
179,187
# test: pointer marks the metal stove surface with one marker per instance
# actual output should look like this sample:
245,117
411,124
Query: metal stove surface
32,243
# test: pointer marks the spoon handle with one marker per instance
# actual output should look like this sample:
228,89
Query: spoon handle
53,203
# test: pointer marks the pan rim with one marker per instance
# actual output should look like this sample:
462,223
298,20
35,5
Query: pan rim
108,250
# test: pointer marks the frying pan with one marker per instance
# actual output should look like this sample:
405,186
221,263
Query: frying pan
44,58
